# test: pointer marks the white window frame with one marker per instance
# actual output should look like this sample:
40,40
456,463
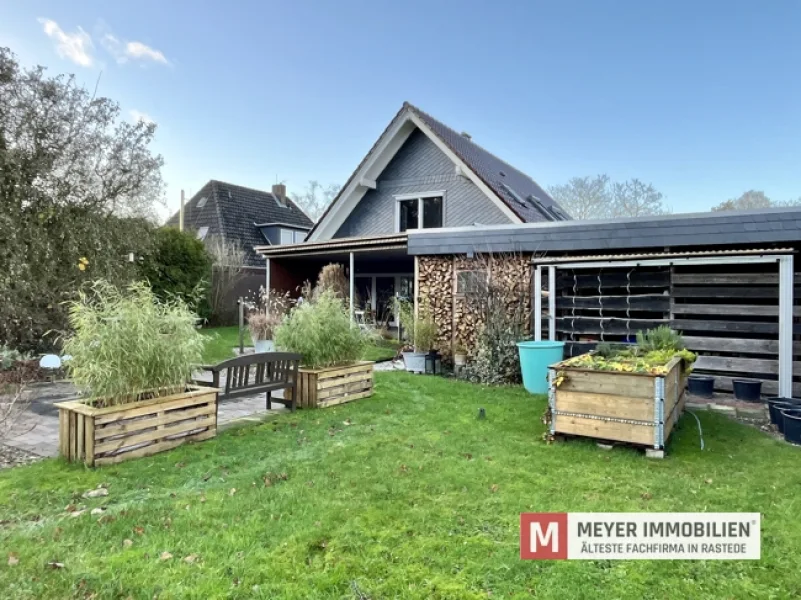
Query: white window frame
462,293
419,196
285,230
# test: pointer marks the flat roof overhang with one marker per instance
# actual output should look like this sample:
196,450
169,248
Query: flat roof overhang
389,245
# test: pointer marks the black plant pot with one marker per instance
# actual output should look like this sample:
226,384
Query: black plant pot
792,425
701,385
747,389
777,404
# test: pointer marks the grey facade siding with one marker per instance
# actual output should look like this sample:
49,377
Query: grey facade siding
419,166
770,226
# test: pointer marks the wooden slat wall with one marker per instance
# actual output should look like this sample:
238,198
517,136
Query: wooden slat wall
609,304
728,314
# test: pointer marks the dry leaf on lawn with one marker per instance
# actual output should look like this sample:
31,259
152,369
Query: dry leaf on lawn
165,556
126,543
55,565
96,493
12,559
190,559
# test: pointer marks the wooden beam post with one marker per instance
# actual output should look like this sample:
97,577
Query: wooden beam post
786,326
352,289
551,302
267,276
537,291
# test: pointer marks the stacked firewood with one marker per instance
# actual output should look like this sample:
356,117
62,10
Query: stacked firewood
435,281
457,320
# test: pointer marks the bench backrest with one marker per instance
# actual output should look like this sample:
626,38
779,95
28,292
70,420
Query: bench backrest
252,371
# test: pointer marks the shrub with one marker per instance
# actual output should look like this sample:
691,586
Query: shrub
179,266
332,278
660,338
320,330
129,344
420,330
263,321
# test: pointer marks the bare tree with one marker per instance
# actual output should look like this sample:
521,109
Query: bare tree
753,199
584,197
600,198
634,198
228,264
315,198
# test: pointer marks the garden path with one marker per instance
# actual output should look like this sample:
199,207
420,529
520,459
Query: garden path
36,431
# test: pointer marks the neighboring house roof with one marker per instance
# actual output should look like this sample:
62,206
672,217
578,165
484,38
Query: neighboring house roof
519,196
234,211
764,226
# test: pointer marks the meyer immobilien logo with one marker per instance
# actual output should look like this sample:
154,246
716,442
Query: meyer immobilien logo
543,536
654,536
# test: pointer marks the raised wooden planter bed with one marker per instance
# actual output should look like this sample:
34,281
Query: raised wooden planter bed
333,385
112,434
639,408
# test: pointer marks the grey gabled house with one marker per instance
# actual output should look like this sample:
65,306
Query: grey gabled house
426,201
419,175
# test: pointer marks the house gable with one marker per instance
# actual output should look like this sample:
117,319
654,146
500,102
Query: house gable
419,166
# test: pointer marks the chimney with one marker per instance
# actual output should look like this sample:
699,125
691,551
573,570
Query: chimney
279,191
467,135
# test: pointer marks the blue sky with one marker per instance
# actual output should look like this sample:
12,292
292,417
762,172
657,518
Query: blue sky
702,99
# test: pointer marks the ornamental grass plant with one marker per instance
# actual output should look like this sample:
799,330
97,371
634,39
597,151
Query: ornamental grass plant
129,345
320,329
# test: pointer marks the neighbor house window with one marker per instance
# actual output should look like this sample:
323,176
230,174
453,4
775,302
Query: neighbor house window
291,236
287,236
202,232
419,213
471,282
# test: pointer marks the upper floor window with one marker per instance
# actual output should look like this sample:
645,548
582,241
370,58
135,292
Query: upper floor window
423,212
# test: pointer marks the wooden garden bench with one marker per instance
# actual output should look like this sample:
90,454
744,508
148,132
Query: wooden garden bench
250,374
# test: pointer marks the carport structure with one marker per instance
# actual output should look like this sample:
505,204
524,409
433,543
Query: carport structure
735,307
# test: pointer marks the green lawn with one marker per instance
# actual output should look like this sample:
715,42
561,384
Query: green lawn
403,495
222,340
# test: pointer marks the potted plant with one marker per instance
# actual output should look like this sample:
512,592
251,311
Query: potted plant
131,357
459,355
622,392
331,373
263,321
420,333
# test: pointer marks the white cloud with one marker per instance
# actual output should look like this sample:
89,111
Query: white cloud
76,47
140,51
137,115
123,51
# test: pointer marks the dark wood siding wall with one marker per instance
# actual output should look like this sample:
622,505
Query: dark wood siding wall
727,313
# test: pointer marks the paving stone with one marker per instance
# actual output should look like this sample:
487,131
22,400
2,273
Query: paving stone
723,409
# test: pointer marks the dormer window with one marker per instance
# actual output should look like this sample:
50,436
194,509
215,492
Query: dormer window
419,211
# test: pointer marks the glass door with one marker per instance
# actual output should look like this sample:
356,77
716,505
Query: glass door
384,293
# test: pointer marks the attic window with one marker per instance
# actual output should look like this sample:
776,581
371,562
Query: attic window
202,202
202,232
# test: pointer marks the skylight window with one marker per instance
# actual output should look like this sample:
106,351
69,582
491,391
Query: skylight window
202,232
202,202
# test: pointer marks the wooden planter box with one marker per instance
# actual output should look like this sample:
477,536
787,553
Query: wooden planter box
333,385
638,408
112,434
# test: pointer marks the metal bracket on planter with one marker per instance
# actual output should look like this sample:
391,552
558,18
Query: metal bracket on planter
552,398
659,412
